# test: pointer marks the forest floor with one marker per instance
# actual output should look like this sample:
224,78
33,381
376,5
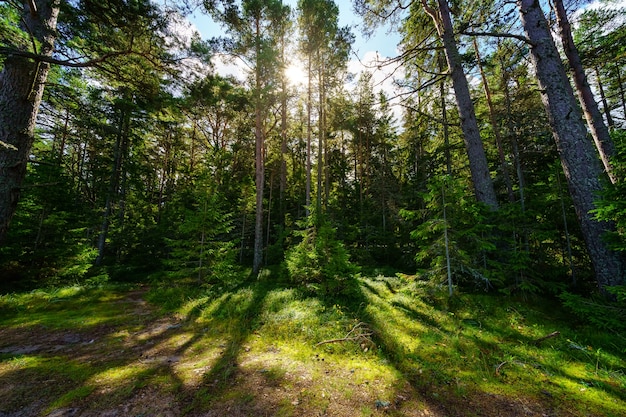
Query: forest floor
266,349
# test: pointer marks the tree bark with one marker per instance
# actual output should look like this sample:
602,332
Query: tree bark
259,133
119,153
597,127
483,185
22,82
320,131
444,119
578,156
283,140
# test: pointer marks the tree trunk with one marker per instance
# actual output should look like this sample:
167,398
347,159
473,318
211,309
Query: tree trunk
605,103
283,145
494,125
578,156
510,133
598,129
22,83
309,109
444,119
483,185
320,133
259,165
119,152
620,84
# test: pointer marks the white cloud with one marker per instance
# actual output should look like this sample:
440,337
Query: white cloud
384,73
228,66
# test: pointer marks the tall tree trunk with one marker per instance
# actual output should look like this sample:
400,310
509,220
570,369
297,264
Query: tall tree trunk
444,119
605,103
483,185
598,129
259,133
309,109
119,153
326,151
22,83
494,125
283,145
320,133
620,84
578,156
510,133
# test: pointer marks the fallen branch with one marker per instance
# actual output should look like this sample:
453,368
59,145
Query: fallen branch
550,336
500,366
359,333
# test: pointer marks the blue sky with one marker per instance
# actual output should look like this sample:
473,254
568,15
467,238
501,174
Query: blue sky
382,42
379,46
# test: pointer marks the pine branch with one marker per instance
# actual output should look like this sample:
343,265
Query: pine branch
498,35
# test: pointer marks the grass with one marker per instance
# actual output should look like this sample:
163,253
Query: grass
254,350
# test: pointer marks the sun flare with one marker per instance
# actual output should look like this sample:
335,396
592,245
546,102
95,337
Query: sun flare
296,74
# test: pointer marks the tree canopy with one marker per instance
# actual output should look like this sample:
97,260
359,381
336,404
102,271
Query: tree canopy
122,147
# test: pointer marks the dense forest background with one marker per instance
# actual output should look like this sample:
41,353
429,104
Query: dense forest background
124,153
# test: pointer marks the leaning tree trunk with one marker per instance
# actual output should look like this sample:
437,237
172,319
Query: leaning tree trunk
597,127
22,83
483,185
578,156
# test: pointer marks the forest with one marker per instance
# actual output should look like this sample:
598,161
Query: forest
448,240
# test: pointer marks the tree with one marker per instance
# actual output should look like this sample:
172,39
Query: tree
257,34
597,127
483,185
578,157
22,82
79,34
600,37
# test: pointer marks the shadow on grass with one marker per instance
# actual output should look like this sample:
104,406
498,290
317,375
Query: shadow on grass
124,369
441,372
223,372
134,360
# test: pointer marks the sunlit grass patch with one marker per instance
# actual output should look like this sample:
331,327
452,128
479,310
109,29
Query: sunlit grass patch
72,307
472,343
123,374
268,346
75,394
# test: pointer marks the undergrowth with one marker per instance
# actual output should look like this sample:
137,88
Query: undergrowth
389,345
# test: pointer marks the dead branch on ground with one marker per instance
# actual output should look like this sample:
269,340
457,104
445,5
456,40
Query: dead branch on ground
360,332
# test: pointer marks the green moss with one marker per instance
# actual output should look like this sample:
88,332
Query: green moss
71,396
417,343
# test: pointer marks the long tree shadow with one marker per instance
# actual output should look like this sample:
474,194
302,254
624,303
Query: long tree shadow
112,367
62,367
242,313
432,382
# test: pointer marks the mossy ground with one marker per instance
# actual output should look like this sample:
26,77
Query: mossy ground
181,350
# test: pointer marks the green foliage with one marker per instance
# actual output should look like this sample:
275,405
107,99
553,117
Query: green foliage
11,36
319,260
600,312
49,242
468,235
201,246
612,204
